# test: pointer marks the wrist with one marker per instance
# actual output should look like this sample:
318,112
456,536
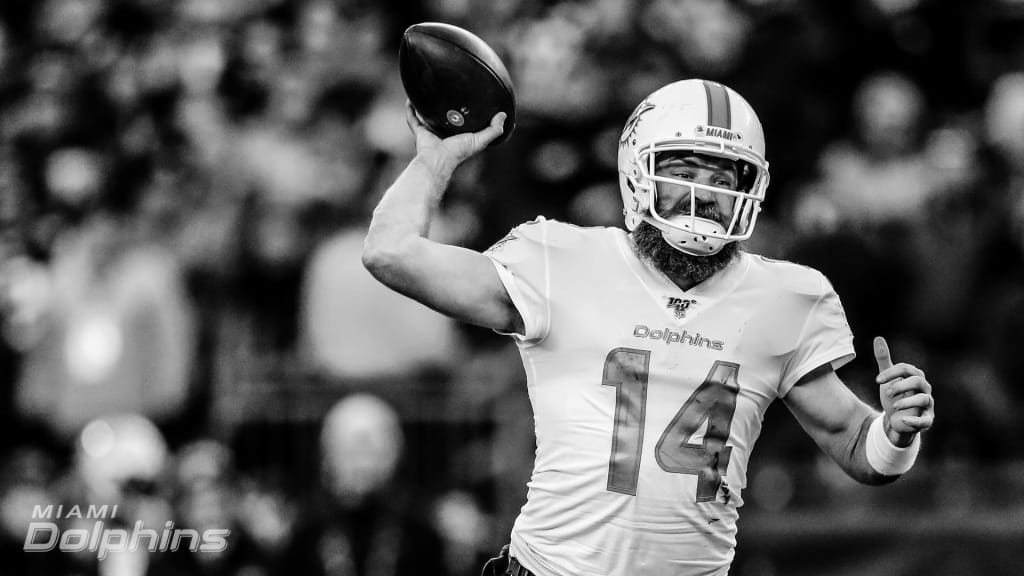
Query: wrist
438,168
897,439
883,455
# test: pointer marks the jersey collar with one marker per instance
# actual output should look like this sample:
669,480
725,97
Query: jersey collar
659,287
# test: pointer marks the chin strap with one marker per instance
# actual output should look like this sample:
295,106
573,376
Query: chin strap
689,238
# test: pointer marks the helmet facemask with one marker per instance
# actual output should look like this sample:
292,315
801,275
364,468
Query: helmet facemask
689,231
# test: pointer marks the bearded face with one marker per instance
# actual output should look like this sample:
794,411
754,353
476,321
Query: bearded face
674,199
651,247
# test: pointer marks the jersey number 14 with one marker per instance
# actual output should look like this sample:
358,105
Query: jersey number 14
714,401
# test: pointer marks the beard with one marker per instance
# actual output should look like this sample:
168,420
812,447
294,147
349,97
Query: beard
651,247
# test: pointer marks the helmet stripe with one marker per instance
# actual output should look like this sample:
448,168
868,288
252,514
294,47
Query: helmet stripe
719,113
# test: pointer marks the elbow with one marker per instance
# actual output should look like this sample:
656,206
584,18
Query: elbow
873,478
383,261
374,259
377,260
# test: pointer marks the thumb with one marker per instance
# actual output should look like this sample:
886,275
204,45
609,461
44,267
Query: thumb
882,355
494,130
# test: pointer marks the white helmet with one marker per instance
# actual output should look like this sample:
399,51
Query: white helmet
696,116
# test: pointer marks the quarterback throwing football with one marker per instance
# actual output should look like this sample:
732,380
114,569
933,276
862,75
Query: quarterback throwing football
652,353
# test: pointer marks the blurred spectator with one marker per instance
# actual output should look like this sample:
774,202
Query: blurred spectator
115,334
26,481
363,520
552,50
877,175
597,205
119,459
464,529
118,454
207,498
705,35
267,517
357,329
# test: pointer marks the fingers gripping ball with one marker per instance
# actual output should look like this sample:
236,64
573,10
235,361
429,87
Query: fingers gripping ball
454,80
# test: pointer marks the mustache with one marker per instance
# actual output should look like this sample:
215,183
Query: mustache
706,210
709,211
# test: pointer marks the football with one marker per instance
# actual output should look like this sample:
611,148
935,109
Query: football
454,80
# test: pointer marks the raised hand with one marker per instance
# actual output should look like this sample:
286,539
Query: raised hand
906,397
444,155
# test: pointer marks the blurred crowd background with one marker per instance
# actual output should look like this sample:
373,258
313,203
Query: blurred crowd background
187,331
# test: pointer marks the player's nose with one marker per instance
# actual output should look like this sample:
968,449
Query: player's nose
701,195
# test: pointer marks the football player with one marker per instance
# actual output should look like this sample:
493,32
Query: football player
651,353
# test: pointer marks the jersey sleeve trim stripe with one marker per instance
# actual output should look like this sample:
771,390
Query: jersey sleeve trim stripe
837,356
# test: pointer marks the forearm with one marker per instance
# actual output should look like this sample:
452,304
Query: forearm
454,281
406,209
852,456
398,230
842,425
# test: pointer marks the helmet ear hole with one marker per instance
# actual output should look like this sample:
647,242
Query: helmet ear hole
748,176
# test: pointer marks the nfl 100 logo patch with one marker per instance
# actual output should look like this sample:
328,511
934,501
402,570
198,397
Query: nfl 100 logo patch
679,306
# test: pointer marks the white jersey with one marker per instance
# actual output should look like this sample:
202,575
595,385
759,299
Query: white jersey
648,399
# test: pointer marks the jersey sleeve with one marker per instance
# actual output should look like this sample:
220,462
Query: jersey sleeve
522,261
825,338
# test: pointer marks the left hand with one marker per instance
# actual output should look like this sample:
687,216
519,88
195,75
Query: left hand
906,397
